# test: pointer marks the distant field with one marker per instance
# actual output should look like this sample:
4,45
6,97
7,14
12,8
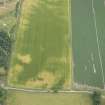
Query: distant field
42,54
21,98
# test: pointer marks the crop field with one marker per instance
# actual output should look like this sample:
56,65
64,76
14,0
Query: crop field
21,98
41,58
88,42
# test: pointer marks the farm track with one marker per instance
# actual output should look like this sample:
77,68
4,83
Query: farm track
43,90
47,91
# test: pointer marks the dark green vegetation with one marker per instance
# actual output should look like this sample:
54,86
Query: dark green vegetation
96,97
42,45
5,49
88,42
3,95
58,85
7,31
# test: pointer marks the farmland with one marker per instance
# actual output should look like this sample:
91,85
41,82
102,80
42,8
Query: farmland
88,42
21,98
57,49
42,54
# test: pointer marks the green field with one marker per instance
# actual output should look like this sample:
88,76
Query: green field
41,58
88,42
21,98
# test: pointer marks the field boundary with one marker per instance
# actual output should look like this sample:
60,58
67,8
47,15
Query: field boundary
44,91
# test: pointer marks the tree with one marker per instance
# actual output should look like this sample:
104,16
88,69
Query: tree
3,94
58,85
5,49
96,97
